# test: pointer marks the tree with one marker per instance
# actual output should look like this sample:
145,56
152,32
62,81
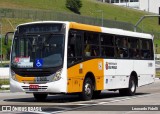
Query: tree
74,5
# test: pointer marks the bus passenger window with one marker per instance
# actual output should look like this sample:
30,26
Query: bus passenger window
107,51
87,50
107,45
122,53
91,50
94,51
91,44
122,47
134,52
121,42
146,49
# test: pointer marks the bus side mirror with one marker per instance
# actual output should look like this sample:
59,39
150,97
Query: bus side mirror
7,36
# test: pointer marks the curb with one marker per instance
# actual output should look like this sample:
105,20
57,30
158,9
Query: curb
157,78
4,91
4,86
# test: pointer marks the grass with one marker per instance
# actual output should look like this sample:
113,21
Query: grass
90,8
158,74
4,64
9,24
157,42
4,81
1,89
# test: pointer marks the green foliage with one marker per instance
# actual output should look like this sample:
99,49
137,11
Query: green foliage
74,5
157,46
4,81
90,7
6,49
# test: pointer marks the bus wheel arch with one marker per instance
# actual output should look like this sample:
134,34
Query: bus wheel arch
133,83
91,76
134,74
88,87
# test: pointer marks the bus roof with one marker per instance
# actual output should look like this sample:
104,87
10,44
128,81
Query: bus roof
126,33
114,31
79,26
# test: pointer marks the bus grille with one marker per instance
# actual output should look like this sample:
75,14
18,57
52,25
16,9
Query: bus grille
34,73
40,88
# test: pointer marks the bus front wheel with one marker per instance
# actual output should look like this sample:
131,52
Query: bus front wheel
40,97
87,92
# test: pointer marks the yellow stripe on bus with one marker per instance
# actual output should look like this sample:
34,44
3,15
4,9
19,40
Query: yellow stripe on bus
77,73
79,26
24,79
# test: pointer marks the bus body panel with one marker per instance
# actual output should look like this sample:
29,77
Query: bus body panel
52,87
59,86
77,73
85,27
23,83
147,75
117,74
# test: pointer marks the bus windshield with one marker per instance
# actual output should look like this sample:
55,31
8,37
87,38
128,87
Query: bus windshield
37,50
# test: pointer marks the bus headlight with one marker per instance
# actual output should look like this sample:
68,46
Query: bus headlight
13,75
57,75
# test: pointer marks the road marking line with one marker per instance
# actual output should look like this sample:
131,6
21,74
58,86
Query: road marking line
102,103
128,98
121,99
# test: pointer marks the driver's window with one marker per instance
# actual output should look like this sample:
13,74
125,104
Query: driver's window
74,47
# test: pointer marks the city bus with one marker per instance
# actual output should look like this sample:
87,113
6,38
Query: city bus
58,57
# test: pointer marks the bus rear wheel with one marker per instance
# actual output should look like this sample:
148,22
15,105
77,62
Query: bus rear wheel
131,90
40,97
87,92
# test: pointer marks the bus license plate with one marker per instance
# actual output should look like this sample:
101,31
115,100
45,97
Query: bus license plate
33,86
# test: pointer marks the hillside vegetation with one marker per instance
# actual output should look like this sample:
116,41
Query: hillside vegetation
89,8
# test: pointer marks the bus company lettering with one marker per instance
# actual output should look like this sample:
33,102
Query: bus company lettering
111,65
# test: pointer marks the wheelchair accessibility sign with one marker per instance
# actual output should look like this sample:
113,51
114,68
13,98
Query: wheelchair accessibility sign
39,63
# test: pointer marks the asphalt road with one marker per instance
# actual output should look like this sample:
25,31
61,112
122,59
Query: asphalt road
147,99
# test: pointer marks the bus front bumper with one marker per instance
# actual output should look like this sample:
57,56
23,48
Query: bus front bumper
51,87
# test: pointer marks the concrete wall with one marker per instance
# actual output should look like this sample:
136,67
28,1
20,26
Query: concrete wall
129,4
153,5
4,73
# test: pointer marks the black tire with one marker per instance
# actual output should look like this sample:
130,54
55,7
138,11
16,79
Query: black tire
40,97
96,93
87,92
132,88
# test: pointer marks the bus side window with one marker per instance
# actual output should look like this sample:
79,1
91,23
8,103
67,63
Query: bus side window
134,52
91,44
107,45
74,47
122,46
146,49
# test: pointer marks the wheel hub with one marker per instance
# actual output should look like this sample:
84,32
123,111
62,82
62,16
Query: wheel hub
133,86
87,89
